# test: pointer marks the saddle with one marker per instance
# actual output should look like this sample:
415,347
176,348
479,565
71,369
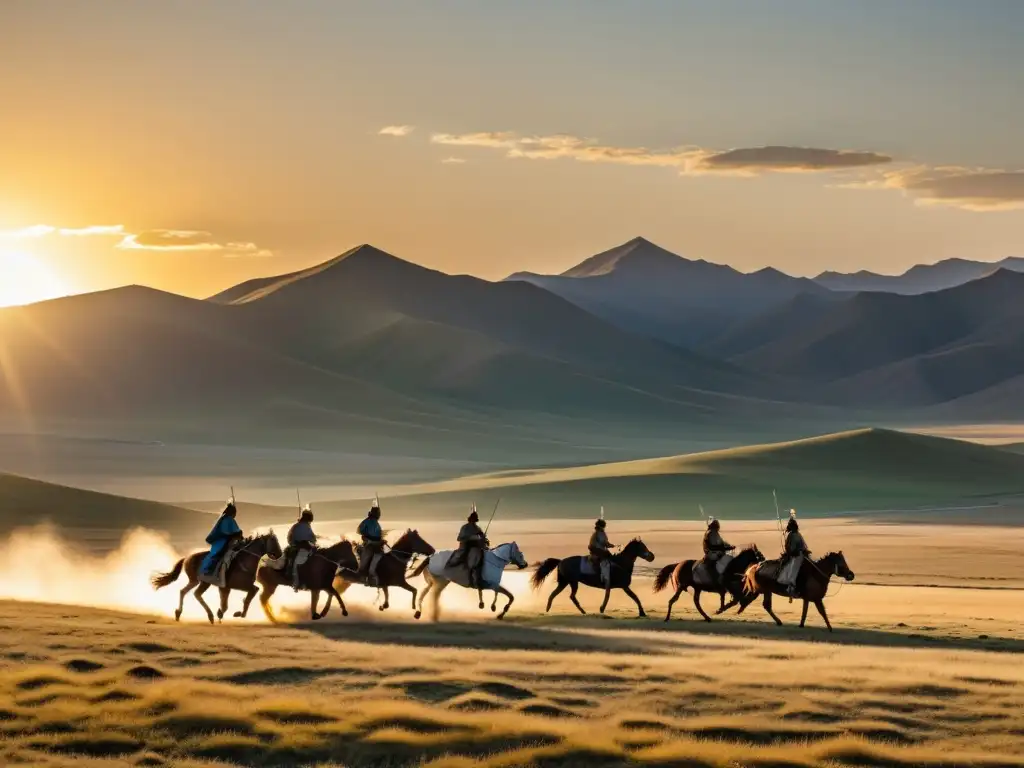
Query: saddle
770,569
219,576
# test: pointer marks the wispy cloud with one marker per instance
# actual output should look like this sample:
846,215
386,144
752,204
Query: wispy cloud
396,130
147,240
687,159
187,240
454,160
981,189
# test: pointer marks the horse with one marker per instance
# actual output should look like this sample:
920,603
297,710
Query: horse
570,574
811,583
681,576
316,575
241,574
390,569
437,574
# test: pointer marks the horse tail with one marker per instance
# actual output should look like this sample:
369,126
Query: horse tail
664,576
544,570
160,580
419,568
750,580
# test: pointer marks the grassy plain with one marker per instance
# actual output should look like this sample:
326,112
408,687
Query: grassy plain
914,675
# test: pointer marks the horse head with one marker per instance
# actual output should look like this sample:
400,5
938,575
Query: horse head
515,556
836,564
343,553
412,543
747,557
637,548
270,545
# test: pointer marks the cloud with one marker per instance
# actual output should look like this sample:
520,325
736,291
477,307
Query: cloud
980,189
188,240
396,130
96,229
45,230
454,160
788,159
687,159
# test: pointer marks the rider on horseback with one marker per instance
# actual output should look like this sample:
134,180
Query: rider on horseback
301,541
601,551
472,543
715,550
224,535
793,556
373,544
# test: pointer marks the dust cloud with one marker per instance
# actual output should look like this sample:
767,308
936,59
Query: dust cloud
37,564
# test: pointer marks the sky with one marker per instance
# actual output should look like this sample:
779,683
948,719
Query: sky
192,145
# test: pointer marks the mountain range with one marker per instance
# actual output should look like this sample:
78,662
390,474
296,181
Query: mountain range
634,352
922,278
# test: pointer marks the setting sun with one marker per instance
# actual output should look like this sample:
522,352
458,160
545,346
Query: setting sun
25,279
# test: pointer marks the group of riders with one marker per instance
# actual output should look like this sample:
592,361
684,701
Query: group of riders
472,543
226,533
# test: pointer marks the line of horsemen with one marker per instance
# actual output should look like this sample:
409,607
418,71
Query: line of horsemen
473,542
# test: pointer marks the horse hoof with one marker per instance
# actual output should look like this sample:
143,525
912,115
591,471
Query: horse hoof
177,615
481,606
501,616
494,608
239,615
344,613
211,620
316,617
417,615
380,608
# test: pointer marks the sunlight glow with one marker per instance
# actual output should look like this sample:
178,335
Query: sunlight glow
24,279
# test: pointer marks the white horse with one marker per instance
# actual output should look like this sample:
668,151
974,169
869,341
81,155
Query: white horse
437,574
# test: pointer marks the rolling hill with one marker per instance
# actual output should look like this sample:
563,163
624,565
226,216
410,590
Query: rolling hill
95,521
922,278
646,289
857,471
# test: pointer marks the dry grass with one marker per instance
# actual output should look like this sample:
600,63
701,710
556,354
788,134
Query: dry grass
468,695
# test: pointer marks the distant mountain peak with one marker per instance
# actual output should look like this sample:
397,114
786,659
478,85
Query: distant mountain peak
636,254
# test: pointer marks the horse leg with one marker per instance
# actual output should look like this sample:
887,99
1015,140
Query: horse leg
480,597
330,598
607,597
199,596
726,606
268,592
572,596
636,600
696,602
423,595
672,601
803,615
509,595
768,607
249,595
384,606
224,593
494,603
441,584
820,605
181,599
558,590
332,592
314,598
409,588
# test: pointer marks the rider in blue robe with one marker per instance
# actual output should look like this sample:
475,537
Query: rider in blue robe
224,531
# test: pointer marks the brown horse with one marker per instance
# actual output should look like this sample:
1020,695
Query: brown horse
316,576
241,574
391,569
572,573
811,583
681,576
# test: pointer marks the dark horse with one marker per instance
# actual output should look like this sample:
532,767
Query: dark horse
241,574
316,575
681,576
811,583
391,569
570,574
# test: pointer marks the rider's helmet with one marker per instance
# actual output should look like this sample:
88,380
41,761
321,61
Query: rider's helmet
713,523
792,524
600,524
230,509
375,508
307,514
473,516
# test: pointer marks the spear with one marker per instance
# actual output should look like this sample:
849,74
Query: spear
778,518
492,516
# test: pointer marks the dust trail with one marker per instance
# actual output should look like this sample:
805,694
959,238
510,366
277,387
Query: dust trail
37,564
